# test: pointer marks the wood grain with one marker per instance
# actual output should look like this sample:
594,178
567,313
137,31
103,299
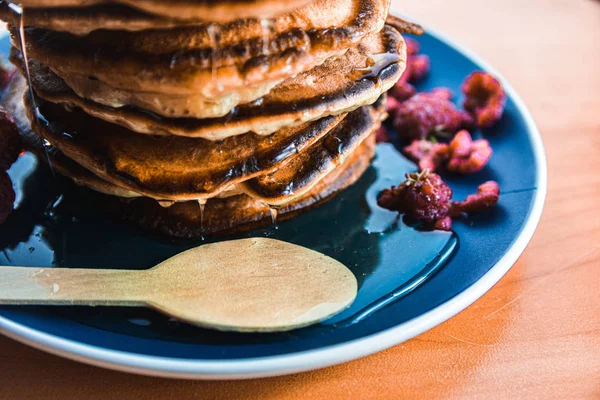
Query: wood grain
536,334
270,285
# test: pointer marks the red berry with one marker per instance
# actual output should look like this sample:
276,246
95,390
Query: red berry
444,224
426,113
427,154
468,156
381,135
487,196
423,197
7,196
485,98
418,67
391,104
10,141
412,46
402,91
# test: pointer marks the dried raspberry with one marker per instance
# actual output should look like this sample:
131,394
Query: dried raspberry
402,90
426,113
7,196
428,155
444,224
418,67
486,197
422,197
468,156
485,98
391,105
381,135
412,46
442,93
10,141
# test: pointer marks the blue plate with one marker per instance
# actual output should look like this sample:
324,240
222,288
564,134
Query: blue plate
409,281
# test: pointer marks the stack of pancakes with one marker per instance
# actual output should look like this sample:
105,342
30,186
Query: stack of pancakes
196,117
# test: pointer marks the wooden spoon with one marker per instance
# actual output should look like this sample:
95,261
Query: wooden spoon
247,285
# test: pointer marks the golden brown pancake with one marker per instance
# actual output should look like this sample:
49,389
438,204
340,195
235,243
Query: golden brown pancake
221,10
209,59
339,85
184,219
232,214
306,170
170,167
174,168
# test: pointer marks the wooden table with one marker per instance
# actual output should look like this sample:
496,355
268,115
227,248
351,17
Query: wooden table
536,334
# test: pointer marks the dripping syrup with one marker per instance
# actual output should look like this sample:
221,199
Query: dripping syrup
376,63
20,11
202,205
274,212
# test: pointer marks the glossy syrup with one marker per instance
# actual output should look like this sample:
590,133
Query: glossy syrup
202,206
274,212
375,65
20,11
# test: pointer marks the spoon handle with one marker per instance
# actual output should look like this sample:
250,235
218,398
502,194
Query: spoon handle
72,286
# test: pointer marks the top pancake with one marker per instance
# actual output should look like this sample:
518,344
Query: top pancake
336,86
199,10
209,59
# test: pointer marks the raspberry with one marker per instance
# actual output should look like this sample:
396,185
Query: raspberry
381,135
391,105
402,90
422,197
485,98
427,154
412,46
486,197
7,196
442,92
418,67
468,156
444,224
426,113
10,141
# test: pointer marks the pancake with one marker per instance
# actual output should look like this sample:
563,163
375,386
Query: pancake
221,10
174,168
307,169
337,86
184,219
232,214
170,167
207,60
81,21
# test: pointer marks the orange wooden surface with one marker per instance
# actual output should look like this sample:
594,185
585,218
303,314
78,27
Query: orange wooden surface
536,334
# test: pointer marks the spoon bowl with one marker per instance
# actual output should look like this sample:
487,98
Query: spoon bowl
247,285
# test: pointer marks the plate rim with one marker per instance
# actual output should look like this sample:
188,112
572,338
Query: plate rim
326,356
